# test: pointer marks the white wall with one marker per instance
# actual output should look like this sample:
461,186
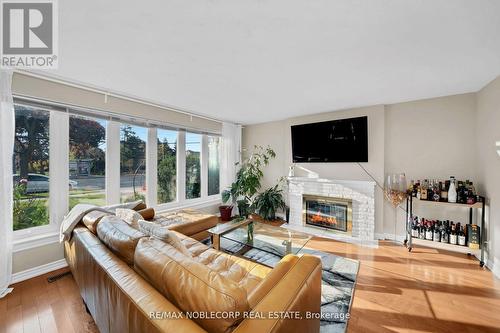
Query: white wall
488,167
424,139
432,138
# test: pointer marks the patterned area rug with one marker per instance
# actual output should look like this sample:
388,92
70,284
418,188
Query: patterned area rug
337,285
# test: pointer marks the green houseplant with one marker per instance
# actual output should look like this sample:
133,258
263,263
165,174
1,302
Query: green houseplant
268,202
248,178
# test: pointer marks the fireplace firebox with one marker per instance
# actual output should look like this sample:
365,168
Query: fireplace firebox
326,212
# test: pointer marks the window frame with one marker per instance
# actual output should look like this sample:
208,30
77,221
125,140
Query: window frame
59,115
58,205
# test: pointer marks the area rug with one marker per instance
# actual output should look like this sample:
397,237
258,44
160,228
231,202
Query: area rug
337,285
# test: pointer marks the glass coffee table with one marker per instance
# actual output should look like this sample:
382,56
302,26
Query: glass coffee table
250,234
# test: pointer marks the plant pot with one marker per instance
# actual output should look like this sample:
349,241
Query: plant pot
243,208
225,212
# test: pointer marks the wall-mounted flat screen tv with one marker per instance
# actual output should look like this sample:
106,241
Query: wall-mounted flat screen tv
343,140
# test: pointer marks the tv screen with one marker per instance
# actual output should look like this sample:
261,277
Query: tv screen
343,140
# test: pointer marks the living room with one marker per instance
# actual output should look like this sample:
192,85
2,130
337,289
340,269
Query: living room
250,166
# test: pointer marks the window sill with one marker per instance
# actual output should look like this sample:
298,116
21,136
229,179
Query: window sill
191,203
41,239
27,243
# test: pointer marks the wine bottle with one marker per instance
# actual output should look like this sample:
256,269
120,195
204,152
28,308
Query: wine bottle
453,235
461,237
445,234
428,231
421,235
436,236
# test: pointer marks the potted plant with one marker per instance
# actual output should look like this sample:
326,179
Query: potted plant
248,178
267,203
225,212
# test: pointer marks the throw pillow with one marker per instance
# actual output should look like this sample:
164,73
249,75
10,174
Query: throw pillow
130,216
157,231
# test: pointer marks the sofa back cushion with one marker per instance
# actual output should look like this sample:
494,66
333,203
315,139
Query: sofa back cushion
119,237
190,285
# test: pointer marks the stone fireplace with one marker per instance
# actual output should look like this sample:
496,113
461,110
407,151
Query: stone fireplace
337,209
326,212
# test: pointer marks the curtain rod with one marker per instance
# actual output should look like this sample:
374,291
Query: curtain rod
107,93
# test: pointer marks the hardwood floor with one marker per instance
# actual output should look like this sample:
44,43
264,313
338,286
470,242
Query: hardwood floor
36,306
427,290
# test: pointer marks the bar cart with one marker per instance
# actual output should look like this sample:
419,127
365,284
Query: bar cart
409,241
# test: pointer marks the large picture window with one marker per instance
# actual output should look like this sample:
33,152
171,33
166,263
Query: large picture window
167,164
193,166
132,163
213,164
87,161
31,168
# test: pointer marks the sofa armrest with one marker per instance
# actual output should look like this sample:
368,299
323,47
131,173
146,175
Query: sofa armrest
298,292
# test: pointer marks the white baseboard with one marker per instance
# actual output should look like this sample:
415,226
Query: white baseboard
39,270
494,267
388,236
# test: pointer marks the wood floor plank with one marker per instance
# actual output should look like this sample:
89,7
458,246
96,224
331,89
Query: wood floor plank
427,290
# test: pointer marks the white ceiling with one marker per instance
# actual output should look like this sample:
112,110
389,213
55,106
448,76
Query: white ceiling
252,61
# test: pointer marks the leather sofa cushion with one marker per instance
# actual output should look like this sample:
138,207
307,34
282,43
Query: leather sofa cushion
191,285
247,274
92,219
187,221
119,237
272,279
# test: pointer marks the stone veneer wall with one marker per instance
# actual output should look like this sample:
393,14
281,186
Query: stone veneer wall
362,194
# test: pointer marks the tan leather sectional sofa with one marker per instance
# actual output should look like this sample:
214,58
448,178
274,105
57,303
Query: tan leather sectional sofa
131,282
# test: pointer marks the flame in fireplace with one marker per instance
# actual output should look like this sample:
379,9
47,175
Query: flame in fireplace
319,218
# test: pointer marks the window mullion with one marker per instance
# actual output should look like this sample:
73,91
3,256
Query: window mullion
58,166
152,168
112,163
181,166
204,166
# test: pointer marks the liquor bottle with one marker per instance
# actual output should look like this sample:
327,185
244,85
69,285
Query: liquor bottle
416,189
430,190
423,190
444,192
436,196
461,237
436,237
471,197
452,190
428,231
445,234
453,235
461,193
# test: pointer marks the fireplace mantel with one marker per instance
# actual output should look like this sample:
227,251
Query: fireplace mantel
362,194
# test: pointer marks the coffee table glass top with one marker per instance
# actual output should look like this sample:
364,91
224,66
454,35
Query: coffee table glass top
272,239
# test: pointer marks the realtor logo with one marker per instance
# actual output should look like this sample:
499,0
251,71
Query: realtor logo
29,34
